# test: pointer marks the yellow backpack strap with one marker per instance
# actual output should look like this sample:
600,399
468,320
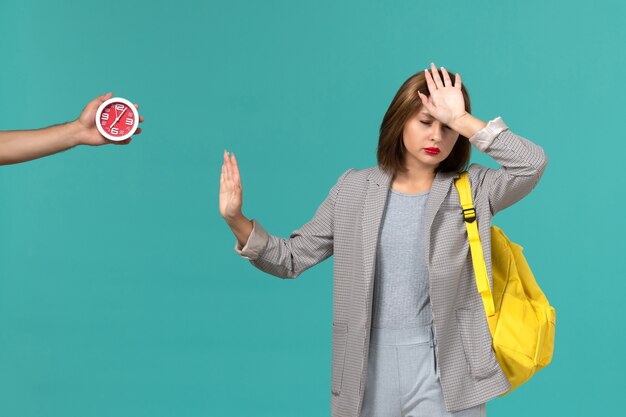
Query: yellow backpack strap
478,259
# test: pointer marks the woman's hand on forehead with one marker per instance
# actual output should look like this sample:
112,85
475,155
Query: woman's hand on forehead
446,102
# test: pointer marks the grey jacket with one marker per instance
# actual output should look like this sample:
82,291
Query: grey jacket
347,225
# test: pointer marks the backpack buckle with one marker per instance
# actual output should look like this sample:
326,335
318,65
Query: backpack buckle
469,214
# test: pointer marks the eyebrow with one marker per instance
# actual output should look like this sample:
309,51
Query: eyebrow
424,113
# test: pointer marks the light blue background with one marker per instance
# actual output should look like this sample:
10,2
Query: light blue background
120,291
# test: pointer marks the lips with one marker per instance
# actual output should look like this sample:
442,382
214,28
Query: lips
432,151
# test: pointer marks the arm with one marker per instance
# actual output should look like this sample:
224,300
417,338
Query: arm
522,165
285,258
307,246
523,162
25,145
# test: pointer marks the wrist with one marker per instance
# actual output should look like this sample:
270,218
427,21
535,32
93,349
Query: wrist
236,219
76,133
467,125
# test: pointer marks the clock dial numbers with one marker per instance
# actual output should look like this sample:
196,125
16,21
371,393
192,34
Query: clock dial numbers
117,119
127,121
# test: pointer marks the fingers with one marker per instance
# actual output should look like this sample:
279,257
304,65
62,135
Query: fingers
225,168
434,81
429,81
224,186
446,77
140,117
236,177
230,171
435,74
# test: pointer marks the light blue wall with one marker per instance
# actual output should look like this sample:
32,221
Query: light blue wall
120,292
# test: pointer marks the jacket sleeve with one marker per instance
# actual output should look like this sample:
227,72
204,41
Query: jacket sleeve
307,246
522,165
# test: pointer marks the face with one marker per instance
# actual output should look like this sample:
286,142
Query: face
423,135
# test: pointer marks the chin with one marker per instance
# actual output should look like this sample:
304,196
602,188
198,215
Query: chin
429,160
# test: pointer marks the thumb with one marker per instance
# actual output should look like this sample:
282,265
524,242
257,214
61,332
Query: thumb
106,96
425,100
101,99
96,102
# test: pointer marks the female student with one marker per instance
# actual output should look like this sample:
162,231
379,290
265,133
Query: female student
410,335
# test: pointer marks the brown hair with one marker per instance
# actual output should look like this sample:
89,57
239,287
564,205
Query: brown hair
391,150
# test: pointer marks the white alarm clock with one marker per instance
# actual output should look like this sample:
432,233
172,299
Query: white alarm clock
117,119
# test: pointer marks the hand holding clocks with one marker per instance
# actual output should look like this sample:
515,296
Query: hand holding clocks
90,129
121,119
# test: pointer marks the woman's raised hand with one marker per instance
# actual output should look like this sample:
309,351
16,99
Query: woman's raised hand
446,102
231,193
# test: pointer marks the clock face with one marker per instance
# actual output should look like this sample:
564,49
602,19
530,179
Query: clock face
117,119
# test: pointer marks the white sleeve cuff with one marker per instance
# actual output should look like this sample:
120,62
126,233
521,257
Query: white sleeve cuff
483,138
257,241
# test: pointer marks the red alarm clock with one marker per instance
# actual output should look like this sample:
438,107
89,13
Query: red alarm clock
117,119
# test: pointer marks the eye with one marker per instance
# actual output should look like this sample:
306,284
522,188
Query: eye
446,127
426,122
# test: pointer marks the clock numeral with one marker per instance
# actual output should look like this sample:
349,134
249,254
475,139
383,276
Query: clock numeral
129,121
107,110
104,116
104,123
119,107
115,131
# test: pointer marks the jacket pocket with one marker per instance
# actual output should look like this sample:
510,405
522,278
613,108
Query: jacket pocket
340,338
477,343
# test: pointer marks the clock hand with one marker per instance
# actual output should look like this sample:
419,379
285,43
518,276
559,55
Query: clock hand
115,108
118,117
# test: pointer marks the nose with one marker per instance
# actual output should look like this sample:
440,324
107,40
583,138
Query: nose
437,131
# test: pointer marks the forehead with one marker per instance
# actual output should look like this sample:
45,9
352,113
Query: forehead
424,112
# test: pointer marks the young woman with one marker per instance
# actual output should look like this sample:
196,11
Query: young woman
410,335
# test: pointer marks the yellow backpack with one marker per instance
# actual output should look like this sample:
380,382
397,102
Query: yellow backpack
521,320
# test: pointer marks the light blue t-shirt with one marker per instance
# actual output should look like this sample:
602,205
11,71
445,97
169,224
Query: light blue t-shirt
401,297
